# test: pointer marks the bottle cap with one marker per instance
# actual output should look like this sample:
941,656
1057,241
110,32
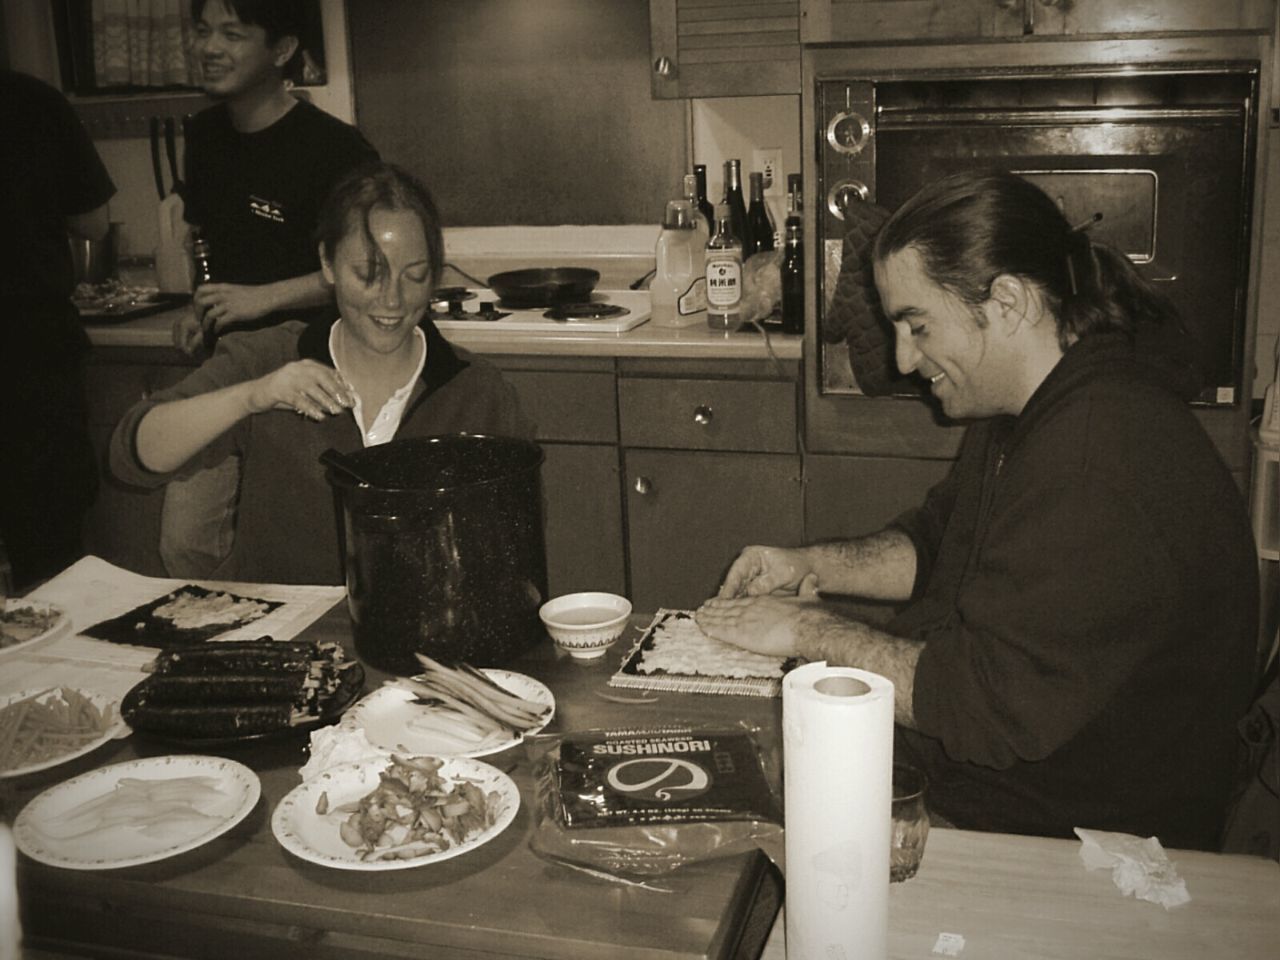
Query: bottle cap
677,216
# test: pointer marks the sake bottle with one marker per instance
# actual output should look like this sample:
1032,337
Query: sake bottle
724,275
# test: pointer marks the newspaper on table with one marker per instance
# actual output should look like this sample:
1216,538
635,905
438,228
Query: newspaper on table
93,591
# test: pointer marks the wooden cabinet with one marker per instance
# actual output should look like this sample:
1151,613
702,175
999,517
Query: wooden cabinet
573,401
711,463
826,21
719,48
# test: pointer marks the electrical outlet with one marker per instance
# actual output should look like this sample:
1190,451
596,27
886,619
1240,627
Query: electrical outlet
768,160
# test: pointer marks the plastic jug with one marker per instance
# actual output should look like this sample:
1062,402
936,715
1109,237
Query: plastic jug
678,295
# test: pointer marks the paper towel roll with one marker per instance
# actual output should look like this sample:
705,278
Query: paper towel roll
837,727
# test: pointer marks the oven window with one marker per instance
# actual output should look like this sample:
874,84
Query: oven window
1166,159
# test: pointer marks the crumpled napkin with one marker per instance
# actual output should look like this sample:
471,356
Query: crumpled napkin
1139,866
340,743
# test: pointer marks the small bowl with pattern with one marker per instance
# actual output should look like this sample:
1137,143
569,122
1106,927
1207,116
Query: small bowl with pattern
585,625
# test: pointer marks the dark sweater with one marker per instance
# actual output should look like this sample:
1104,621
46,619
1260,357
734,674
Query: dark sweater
286,526
1087,592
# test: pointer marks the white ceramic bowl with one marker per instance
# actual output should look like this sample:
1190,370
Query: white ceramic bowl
585,625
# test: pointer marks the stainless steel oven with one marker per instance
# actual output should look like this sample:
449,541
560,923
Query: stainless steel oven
1159,136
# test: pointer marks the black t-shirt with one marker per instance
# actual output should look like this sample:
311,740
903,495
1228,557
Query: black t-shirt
49,170
255,196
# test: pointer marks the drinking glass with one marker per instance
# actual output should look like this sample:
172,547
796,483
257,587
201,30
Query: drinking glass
910,822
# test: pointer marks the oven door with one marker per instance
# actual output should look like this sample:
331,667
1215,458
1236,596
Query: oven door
1165,155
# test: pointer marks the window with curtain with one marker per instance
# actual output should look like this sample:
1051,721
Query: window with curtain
143,46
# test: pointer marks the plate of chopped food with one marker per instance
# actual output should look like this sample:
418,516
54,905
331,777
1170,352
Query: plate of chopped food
136,812
43,728
230,691
456,711
391,814
26,623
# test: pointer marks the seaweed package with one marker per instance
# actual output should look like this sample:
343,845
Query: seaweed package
642,802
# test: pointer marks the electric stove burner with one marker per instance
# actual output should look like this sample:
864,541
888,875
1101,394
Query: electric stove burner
586,311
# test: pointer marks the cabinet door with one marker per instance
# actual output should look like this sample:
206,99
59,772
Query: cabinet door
735,48
689,514
865,21
876,20
583,521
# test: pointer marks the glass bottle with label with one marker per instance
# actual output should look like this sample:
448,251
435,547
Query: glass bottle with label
737,206
793,278
759,223
203,273
677,294
704,205
702,226
724,275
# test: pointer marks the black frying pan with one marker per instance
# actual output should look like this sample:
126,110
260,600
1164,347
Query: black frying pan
544,287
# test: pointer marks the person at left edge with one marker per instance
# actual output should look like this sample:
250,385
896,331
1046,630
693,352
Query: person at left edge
52,185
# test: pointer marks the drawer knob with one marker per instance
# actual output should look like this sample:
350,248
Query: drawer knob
664,67
702,414
643,486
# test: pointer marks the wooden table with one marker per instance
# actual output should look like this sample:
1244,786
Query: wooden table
1022,898
243,896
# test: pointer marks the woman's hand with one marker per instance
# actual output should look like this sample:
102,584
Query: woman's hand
304,386
763,570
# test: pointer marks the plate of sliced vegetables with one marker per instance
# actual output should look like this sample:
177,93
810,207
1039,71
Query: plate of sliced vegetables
43,728
25,623
455,711
391,814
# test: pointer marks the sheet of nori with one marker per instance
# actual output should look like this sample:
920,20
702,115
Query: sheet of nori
141,627
738,788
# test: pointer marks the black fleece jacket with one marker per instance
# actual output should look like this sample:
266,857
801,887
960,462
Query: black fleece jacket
1087,593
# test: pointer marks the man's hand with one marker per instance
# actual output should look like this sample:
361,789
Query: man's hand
224,304
188,335
761,624
765,570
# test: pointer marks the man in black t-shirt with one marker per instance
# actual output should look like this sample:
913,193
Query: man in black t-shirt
52,184
258,165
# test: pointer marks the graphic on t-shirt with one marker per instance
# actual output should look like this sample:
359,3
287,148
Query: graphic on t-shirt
267,209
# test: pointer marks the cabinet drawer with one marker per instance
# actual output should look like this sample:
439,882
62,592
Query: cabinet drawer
758,415
568,406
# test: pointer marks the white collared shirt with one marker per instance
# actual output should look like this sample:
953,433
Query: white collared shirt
387,422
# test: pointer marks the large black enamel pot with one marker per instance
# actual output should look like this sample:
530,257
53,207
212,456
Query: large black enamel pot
442,546
544,287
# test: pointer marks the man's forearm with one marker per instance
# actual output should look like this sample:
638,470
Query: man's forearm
881,566
823,635
308,290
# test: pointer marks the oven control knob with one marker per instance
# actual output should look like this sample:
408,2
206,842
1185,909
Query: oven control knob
848,132
844,193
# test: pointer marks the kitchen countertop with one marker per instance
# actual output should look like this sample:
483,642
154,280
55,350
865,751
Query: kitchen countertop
646,340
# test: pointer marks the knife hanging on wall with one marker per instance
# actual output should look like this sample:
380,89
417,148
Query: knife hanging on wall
155,156
171,151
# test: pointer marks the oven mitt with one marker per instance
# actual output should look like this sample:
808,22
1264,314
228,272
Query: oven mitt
855,315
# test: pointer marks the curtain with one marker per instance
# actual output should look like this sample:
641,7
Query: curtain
142,43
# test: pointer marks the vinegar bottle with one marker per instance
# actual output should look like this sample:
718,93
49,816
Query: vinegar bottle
759,223
737,206
724,275
677,294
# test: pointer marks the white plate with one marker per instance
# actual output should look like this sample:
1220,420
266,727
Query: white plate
60,626
386,716
125,844
116,728
316,838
